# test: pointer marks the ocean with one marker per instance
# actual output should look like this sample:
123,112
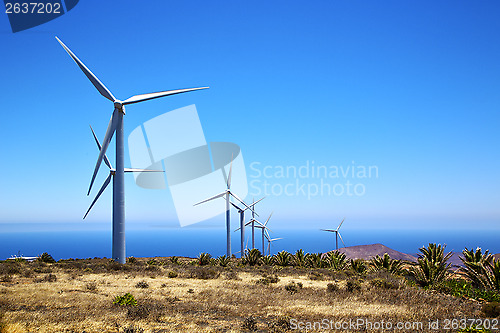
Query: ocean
189,242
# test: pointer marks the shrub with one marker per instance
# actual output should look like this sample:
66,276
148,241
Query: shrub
172,274
205,273
45,257
353,285
462,288
125,300
133,329
131,260
142,284
491,310
280,324
332,287
293,287
432,267
252,257
46,278
266,260
383,284
204,259
313,260
231,275
283,259
315,276
266,280
174,260
249,324
336,260
386,263
358,266
152,262
299,258
223,260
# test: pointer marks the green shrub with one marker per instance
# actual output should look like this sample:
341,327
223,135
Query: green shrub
491,310
204,259
314,260
152,262
142,284
283,259
131,260
174,260
386,263
125,300
335,260
357,265
462,288
45,257
353,285
299,258
252,257
266,260
223,260
383,284
432,267
172,274
266,280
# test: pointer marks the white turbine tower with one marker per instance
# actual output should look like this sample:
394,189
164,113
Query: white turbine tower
337,234
112,173
116,125
227,194
241,211
269,241
253,221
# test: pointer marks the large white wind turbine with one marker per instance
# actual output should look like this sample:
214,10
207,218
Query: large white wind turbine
337,234
116,125
241,211
112,173
227,194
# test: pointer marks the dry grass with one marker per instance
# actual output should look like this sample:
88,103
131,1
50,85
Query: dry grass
201,299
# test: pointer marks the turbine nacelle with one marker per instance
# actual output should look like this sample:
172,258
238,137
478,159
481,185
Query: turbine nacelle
119,105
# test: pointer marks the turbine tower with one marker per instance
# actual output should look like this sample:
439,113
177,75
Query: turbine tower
337,235
265,233
227,195
253,220
116,125
241,211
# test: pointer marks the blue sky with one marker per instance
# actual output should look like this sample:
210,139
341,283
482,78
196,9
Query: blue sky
412,88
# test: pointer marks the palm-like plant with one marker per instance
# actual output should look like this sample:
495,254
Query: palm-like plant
299,258
481,268
283,258
313,260
267,260
252,257
336,260
432,266
358,265
223,260
204,259
386,263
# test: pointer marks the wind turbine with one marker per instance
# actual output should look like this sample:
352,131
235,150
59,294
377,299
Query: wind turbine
253,220
241,211
265,232
116,125
269,241
337,234
112,173
227,194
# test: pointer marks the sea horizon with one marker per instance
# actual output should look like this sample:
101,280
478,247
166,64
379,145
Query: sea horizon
189,242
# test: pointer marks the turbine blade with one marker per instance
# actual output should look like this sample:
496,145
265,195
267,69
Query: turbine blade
275,239
338,233
141,170
237,198
238,208
113,123
99,146
146,97
255,202
212,198
265,224
103,187
237,229
95,81
340,224
229,177
329,230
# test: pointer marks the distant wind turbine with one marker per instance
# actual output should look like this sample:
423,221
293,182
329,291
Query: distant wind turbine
227,194
264,228
241,211
337,234
112,173
116,125
269,241
253,220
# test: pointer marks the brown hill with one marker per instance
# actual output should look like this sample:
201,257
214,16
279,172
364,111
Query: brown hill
369,251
